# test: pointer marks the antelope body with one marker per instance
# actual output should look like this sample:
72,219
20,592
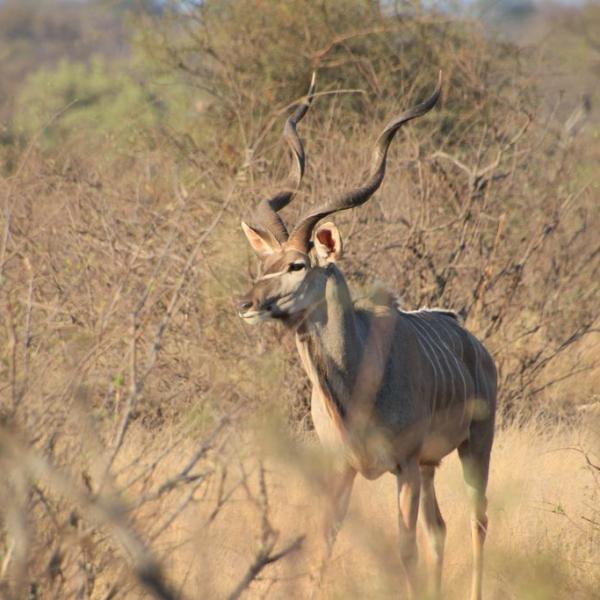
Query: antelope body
392,391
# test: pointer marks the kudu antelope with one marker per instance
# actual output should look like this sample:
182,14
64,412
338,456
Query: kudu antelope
392,391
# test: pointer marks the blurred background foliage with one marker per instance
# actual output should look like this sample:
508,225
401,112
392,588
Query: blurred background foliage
233,63
96,97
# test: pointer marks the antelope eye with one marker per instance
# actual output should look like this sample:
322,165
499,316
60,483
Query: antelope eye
298,266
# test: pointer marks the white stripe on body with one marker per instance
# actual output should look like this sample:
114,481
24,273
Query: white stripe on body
459,367
428,355
453,334
441,346
438,350
439,372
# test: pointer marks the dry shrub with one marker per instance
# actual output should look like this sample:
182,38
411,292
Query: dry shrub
124,361
483,209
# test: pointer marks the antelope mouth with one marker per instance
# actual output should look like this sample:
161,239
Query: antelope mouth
254,316
273,312
258,316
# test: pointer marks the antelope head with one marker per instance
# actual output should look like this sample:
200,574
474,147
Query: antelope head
294,265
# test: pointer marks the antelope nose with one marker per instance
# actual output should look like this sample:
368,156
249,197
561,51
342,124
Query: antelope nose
243,304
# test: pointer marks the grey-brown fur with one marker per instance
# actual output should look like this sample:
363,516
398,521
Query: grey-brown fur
411,376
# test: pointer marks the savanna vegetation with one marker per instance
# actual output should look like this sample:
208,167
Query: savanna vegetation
151,443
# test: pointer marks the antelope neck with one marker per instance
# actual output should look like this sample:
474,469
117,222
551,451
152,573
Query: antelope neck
331,336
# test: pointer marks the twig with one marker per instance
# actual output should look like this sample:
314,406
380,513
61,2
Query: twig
137,384
262,560
103,509
266,554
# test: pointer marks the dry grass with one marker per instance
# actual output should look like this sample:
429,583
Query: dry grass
542,542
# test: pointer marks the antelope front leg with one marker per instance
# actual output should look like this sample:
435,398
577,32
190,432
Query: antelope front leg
409,486
337,500
434,524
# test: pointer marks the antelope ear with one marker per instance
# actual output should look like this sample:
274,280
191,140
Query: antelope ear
328,243
262,242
